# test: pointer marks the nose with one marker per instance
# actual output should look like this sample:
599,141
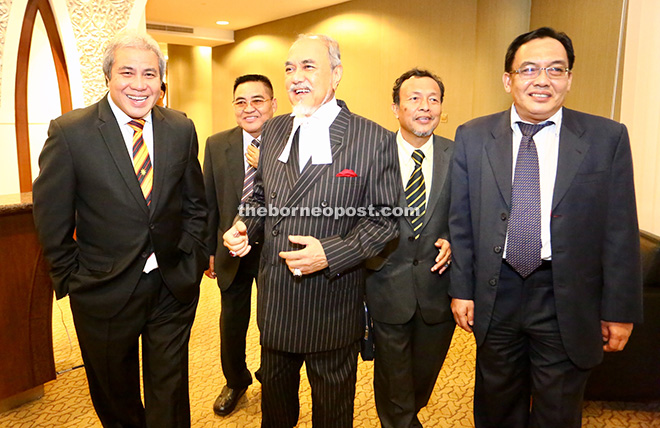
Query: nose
542,79
139,83
424,104
249,107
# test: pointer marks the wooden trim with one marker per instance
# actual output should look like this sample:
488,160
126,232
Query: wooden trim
21,85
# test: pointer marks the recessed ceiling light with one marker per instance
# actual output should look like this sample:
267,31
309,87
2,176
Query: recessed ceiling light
222,22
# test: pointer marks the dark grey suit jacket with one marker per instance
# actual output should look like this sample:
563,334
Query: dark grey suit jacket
223,178
87,183
321,311
400,277
595,238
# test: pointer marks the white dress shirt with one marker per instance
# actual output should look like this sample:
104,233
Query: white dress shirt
247,140
547,147
407,163
148,136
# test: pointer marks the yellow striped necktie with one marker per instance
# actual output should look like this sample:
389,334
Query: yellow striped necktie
141,161
416,193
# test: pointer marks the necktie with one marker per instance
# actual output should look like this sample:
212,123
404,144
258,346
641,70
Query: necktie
524,232
294,153
416,192
141,161
248,182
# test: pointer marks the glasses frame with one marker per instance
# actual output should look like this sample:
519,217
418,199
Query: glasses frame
250,103
565,70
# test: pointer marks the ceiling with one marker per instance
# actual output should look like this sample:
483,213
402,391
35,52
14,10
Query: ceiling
193,22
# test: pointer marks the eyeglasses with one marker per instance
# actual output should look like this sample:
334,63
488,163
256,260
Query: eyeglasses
533,72
256,103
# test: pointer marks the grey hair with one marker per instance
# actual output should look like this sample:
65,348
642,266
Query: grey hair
131,39
330,43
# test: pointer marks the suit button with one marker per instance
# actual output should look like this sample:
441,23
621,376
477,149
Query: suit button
152,227
145,255
274,232
411,238
324,204
492,281
503,216
497,249
415,262
273,195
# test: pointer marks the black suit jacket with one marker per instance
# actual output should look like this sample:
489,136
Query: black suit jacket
321,311
594,234
87,183
400,277
224,173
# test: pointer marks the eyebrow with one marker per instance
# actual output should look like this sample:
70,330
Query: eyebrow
555,62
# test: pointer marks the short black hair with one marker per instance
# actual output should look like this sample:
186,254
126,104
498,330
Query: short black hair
415,72
254,78
539,33
163,87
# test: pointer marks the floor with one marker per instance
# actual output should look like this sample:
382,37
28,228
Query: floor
66,401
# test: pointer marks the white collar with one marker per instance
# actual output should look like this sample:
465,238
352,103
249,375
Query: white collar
555,118
314,133
123,118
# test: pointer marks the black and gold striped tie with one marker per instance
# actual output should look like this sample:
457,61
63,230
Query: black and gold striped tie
416,193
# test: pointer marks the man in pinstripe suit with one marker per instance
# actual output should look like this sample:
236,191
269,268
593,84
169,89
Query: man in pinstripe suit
311,276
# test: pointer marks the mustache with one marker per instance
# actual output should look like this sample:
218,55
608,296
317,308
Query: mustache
297,86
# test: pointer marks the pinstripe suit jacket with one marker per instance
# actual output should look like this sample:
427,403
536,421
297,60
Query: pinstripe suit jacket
321,311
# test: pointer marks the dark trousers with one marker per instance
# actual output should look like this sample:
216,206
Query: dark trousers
524,377
109,349
236,303
408,360
332,375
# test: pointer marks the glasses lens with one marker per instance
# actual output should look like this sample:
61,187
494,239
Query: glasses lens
258,102
555,71
240,104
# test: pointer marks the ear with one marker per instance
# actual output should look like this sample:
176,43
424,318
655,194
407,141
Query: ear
395,110
337,73
506,79
274,101
570,80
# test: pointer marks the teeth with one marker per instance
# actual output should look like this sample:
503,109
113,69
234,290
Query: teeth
134,98
540,95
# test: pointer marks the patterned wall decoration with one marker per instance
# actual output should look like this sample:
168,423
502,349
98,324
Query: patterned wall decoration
5,6
94,22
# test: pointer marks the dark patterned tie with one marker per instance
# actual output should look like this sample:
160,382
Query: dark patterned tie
141,160
416,192
523,250
248,182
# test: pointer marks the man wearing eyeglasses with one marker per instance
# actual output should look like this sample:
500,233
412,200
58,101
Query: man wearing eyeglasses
230,164
545,242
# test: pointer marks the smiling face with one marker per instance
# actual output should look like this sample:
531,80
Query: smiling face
418,110
539,98
134,82
309,78
259,108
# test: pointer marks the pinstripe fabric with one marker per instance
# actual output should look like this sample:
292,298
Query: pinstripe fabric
322,311
332,376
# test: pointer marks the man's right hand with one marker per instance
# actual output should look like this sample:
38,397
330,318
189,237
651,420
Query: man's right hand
210,272
463,313
236,240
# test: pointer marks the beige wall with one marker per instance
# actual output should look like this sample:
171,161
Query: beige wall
189,80
464,42
640,110
594,26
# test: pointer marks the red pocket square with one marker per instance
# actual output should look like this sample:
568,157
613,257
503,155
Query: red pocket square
347,173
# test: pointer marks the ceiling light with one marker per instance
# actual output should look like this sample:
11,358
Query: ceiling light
222,22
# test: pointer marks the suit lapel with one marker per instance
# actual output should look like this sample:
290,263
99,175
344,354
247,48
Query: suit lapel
160,155
500,155
312,173
440,165
234,151
572,150
114,140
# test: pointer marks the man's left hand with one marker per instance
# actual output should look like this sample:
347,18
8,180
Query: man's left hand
615,335
310,259
443,259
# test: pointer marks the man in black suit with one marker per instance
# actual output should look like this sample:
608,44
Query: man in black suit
317,164
123,175
407,286
545,242
230,164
